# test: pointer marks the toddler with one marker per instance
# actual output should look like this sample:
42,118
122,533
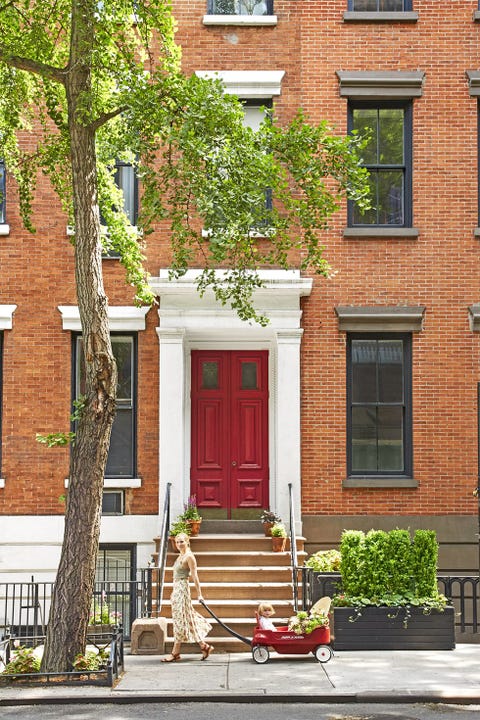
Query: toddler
264,611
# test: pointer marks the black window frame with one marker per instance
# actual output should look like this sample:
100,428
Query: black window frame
134,401
407,5
407,106
407,405
212,9
3,193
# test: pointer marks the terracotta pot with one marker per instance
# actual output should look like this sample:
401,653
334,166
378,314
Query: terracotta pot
267,527
194,526
278,543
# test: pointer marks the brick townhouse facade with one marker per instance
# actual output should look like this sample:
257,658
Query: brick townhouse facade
362,391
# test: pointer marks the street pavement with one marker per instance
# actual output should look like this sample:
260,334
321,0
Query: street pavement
400,676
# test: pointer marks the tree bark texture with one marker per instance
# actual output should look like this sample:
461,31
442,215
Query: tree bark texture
73,592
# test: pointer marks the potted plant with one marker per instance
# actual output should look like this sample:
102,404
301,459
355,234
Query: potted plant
178,526
192,516
102,619
279,537
389,598
268,519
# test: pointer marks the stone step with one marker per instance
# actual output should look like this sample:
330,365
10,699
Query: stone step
235,542
220,558
243,608
228,644
265,591
235,575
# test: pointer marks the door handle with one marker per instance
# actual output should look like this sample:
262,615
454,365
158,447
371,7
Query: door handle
234,463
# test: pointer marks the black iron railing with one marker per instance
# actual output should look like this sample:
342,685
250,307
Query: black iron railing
293,547
102,640
462,591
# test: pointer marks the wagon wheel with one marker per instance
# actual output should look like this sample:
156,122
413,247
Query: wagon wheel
323,653
260,654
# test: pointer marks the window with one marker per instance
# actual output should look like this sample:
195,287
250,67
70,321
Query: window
379,5
388,158
379,404
240,7
2,192
121,461
126,179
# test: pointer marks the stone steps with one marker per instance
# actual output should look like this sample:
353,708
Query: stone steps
237,571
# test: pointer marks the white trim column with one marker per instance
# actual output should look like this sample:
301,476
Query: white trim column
171,415
288,459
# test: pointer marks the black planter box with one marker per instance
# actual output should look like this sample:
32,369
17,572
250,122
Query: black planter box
382,628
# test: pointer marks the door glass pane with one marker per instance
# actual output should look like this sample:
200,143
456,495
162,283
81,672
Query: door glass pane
249,376
364,371
390,438
364,439
390,371
210,375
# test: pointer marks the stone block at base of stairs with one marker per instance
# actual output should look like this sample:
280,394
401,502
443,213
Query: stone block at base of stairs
148,636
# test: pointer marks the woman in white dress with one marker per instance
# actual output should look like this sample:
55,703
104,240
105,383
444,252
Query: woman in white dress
188,624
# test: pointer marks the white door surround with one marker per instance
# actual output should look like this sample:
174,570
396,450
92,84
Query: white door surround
188,322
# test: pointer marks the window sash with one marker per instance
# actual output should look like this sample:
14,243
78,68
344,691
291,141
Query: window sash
240,7
121,461
379,404
127,181
391,182
379,5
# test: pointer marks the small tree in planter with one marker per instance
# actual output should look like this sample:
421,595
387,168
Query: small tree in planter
390,582
192,516
279,537
268,519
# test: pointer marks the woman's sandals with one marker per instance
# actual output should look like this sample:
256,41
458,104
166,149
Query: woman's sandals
172,658
206,651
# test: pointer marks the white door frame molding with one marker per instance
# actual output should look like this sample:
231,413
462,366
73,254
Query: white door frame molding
188,321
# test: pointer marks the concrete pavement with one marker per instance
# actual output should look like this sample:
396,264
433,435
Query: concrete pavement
447,676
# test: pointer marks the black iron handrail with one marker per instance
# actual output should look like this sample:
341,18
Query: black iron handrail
293,548
162,551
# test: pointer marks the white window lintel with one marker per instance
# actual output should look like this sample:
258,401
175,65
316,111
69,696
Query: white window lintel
247,83
120,317
6,316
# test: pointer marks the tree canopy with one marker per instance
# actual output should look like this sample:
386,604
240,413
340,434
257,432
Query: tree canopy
86,83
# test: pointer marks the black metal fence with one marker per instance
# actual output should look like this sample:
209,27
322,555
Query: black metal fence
463,591
24,607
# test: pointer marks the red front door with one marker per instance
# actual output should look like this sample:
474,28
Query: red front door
229,464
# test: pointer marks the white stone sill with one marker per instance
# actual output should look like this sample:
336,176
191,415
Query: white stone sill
2,483
241,20
4,229
118,483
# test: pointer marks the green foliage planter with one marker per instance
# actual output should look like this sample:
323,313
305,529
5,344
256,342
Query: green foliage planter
390,599
393,628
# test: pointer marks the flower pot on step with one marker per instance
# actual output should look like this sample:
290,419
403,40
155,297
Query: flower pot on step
278,543
194,527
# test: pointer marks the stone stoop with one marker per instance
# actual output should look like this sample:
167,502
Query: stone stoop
237,572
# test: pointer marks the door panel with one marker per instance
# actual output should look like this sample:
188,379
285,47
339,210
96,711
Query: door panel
229,466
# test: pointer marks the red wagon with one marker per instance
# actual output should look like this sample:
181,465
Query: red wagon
286,642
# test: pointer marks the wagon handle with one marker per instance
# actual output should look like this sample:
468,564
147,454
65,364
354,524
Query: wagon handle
247,641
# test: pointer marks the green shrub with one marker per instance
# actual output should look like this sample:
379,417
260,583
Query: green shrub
324,561
23,662
388,568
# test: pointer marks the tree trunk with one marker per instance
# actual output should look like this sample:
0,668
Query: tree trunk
71,602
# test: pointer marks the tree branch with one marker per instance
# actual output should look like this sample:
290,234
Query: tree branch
32,66
105,117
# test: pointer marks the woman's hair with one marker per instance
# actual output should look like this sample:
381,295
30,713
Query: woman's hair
183,536
265,606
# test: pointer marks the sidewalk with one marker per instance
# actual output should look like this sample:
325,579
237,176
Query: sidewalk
449,676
